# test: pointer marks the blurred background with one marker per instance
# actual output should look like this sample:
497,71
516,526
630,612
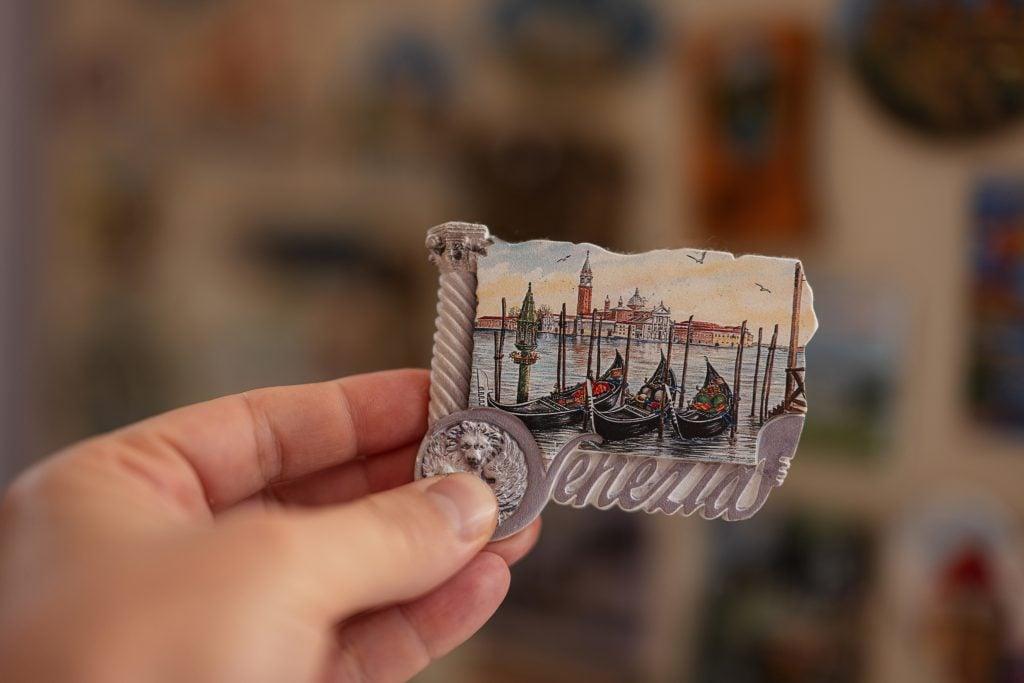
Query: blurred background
204,196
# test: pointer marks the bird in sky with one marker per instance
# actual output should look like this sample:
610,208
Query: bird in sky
703,255
564,258
763,288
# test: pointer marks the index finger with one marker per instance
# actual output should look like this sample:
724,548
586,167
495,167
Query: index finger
238,445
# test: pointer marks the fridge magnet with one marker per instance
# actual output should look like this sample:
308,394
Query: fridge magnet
671,381
948,70
996,370
575,40
863,343
751,151
955,588
787,599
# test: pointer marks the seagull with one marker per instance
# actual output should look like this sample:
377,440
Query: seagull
703,255
564,258
763,288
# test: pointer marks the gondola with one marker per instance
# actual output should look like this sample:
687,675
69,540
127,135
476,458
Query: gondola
567,407
709,413
640,413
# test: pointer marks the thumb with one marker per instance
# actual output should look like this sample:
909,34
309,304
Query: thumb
387,547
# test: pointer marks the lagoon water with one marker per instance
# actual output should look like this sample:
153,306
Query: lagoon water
644,358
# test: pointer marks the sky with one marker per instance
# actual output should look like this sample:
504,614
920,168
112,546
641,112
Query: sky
720,290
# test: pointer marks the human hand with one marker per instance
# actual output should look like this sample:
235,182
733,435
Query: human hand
273,535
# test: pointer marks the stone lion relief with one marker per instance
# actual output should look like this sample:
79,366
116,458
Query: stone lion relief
484,450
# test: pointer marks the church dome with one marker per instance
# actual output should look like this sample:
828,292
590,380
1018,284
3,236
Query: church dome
636,301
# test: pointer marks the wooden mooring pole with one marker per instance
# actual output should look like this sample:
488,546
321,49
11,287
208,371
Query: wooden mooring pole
590,349
757,370
794,378
737,375
564,347
769,365
625,367
686,361
668,359
499,352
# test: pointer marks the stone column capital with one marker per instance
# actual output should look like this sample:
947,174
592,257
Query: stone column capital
455,246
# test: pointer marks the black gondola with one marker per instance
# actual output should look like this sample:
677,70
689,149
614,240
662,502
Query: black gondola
707,414
567,407
640,413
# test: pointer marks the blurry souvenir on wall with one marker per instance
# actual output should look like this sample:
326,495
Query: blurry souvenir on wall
97,82
785,600
346,289
861,343
571,39
405,97
951,69
242,71
996,393
957,586
751,150
578,603
121,374
533,185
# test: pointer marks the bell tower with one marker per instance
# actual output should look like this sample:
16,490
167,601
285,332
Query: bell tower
584,290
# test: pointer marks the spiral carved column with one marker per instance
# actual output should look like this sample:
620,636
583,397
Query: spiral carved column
454,248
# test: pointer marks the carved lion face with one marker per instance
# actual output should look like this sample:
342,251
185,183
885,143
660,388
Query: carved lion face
475,445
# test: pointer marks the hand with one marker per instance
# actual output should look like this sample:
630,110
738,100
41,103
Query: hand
272,535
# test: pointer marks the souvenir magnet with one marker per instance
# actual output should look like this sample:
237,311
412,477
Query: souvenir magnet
664,401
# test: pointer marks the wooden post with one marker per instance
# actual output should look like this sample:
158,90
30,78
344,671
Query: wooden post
661,410
668,359
564,347
600,327
625,367
737,375
497,364
757,371
590,350
558,355
686,361
501,352
794,333
766,385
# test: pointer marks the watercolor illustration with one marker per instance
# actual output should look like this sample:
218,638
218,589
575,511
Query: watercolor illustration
671,353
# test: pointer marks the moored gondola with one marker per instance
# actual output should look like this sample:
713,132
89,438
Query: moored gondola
710,411
640,413
568,407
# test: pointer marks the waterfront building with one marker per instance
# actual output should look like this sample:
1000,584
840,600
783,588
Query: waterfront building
711,334
493,322
646,322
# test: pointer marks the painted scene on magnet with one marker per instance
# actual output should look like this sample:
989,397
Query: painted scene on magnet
671,353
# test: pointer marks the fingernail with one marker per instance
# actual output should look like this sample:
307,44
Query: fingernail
468,504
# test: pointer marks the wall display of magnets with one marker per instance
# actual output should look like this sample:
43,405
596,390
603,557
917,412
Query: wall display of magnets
952,70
